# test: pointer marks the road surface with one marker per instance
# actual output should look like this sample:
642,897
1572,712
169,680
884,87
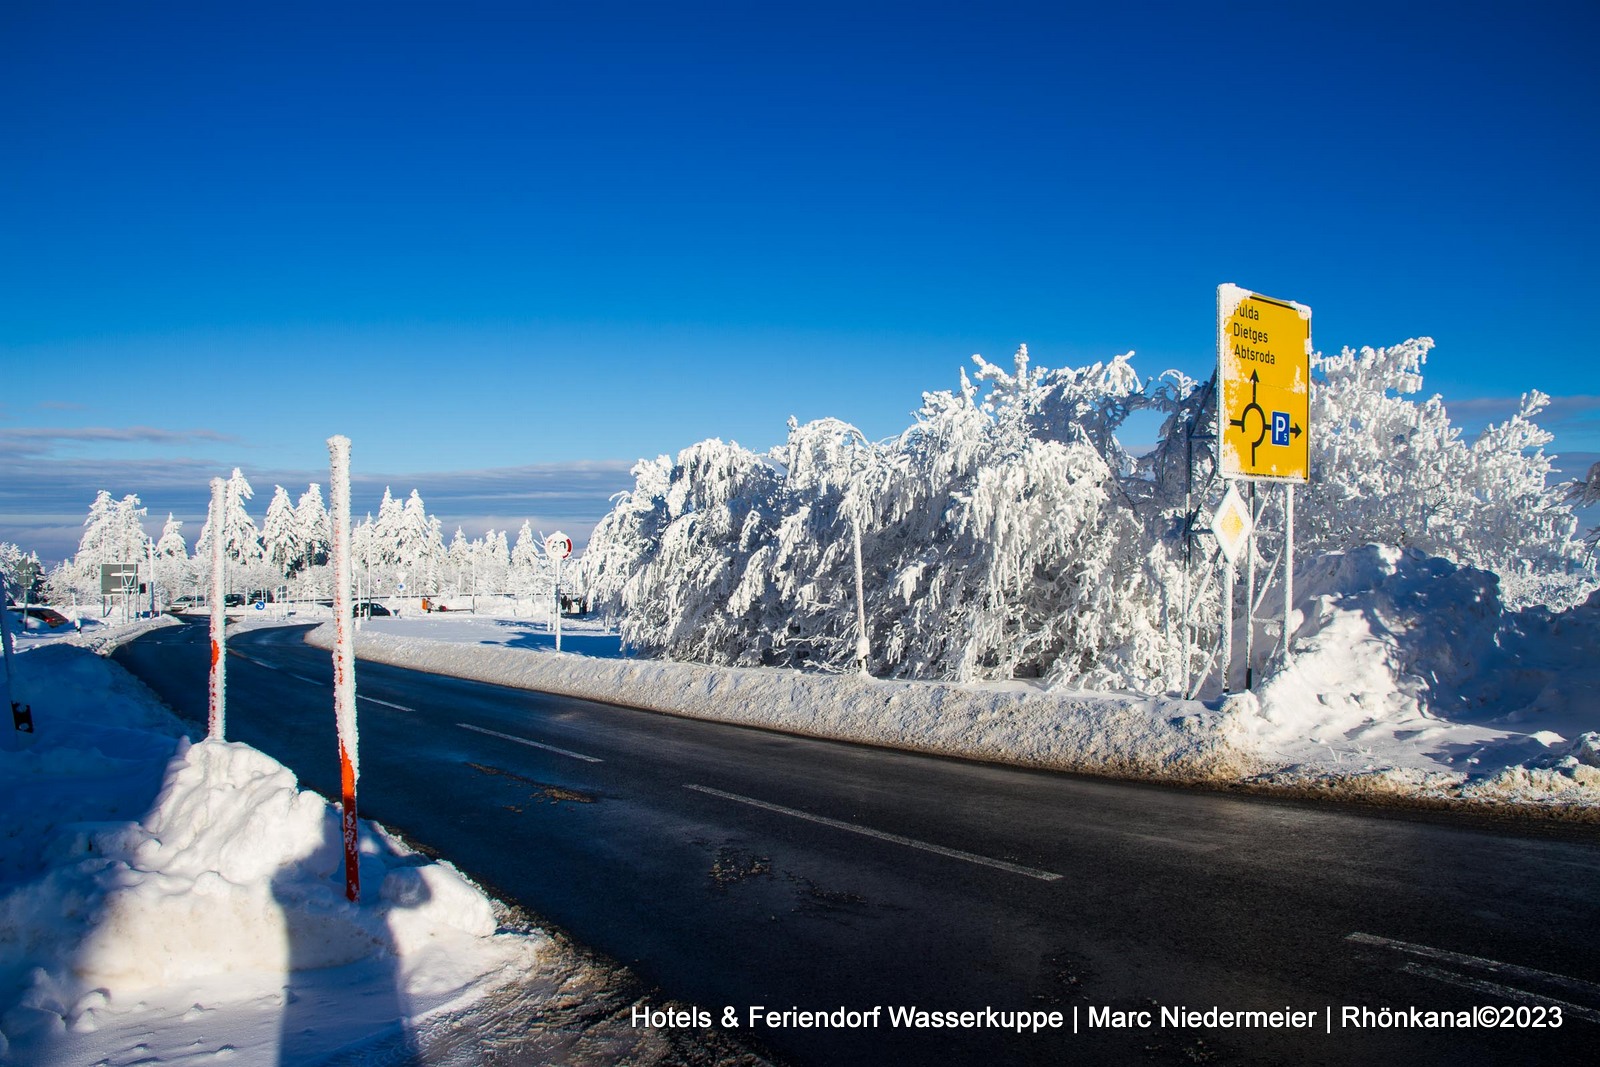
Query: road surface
732,868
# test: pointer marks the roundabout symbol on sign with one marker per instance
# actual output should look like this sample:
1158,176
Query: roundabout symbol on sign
1280,424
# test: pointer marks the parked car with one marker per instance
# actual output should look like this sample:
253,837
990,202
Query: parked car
48,616
368,608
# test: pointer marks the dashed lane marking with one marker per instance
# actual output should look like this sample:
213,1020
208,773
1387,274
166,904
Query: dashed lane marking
316,682
867,831
531,744
1548,979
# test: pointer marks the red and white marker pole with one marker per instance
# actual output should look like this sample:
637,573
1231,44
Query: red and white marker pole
219,618
344,659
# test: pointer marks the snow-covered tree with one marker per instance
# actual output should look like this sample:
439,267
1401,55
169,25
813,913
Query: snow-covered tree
22,573
112,533
282,541
419,547
316,532
526,577
1389,469
241,542
387,531
1008,533
459,559
494,561
172,566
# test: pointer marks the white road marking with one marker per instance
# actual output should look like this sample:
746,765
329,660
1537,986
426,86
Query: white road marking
313,681
531,744
953,853
385,703
1495,989
1461,959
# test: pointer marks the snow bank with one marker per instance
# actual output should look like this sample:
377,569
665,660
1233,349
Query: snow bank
1410,677
1102,733
1410,681
184,898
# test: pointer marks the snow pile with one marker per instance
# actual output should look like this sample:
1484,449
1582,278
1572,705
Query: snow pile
1410,676
1011,722
189,898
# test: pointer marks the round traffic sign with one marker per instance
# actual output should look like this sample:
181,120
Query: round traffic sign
558,545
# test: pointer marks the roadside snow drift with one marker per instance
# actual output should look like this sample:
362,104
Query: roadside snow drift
1410,679
1410,676
164,899
1013,722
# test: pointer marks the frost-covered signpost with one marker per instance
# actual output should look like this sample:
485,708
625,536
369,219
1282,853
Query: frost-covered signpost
219,616
1263,426
863,645
558,546
344,657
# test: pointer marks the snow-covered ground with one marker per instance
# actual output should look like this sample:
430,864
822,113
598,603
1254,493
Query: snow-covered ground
1012,722
1410,679
163,901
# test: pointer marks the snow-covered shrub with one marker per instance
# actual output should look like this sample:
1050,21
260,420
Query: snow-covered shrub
989,550
1008,533
1389,469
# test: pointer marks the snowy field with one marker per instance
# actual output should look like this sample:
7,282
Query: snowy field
1410,681
163,901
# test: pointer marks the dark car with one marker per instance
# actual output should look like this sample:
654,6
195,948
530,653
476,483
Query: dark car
368,609
233,600
49,616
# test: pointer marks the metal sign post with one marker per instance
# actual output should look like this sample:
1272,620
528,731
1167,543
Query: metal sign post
1288,573
558,546
1263,423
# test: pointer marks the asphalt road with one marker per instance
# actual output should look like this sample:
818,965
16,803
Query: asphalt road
736,867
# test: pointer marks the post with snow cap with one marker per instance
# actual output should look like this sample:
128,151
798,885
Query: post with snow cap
219,617
863,644
558,546
344,658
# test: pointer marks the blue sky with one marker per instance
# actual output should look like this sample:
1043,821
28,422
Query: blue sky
539,241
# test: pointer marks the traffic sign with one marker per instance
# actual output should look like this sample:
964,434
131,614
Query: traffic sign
1264,386
558,545
118,577
1232,523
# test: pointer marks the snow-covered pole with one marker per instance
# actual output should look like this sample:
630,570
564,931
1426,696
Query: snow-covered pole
558,546
1288,570
219,618
863,645
1250,593
344,658
7,692
1230,575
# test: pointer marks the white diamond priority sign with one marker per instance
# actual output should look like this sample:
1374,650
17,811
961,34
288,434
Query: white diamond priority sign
1231,523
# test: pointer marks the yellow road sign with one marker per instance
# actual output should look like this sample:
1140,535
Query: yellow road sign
1263,386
